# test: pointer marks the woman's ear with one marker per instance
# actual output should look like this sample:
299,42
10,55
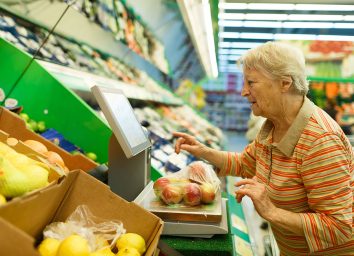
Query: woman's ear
287,81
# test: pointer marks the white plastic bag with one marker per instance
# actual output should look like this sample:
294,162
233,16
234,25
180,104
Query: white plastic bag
82,222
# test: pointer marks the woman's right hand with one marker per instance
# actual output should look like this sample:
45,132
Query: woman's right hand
190,144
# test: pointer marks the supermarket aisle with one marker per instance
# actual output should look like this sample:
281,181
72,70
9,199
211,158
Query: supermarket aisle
237,142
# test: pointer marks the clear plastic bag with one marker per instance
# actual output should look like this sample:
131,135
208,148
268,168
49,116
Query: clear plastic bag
198,172
94,229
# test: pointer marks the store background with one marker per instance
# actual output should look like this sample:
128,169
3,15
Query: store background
160,53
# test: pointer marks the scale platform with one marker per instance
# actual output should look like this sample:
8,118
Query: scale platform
181,227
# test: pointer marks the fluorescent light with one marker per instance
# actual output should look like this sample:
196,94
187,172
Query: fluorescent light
315,17
273,6
335,38
229,57
307,24
232,51
229,35
283,17
343,25
323,7
245,45
287,24
197,17
230,23
278,36
210,37
264,24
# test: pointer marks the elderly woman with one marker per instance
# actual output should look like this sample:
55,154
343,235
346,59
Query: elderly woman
299,170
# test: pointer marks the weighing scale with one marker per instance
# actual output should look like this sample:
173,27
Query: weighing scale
129,162
129,146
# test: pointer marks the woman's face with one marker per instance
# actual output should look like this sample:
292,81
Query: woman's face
262,92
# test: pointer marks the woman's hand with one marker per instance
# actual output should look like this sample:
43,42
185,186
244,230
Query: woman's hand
258,194
190,144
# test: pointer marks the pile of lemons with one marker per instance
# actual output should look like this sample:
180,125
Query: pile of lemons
129,244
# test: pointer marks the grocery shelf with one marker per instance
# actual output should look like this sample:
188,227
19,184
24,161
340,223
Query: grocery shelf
83,81
331,79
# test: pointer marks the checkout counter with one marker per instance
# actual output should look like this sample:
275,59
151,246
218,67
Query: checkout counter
129,177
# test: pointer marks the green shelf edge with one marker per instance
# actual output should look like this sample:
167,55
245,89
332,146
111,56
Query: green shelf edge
331,79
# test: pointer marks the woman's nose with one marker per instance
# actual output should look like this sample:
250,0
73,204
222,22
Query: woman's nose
245,92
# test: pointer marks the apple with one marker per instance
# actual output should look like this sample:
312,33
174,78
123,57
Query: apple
33,125
159,185
192,194
91,155
171,194
208,193
24,116
41,126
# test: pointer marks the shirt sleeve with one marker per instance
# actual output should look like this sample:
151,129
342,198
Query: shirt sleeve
239,164
326,173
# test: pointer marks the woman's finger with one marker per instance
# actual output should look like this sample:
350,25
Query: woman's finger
183,135
244,182
178,144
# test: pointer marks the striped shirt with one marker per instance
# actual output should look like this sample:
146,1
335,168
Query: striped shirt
310,172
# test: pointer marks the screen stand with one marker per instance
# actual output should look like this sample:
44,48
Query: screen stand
127,177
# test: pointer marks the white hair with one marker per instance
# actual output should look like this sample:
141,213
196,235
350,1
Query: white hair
278,60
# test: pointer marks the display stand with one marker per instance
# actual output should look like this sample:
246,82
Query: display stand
127,177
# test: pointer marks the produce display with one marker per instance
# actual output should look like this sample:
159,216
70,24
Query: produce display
328,58
194,185
116,17
161,121
85,234
62,51
24,172
53,136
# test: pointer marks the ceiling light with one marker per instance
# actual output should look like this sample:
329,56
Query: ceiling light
283,17
245,45
229,57
273,6
232,51
278,36
307,24
335,38
323,7
287,24
229,35
315,17
197,17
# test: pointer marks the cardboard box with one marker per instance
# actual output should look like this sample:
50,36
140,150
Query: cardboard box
23,219
15,126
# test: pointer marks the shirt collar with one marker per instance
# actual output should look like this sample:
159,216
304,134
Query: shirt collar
292,136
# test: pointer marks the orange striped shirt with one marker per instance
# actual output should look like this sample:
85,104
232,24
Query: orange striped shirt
310,172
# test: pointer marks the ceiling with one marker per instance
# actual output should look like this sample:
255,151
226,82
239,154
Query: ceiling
243,26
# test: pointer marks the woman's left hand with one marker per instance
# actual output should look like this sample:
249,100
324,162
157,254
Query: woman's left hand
258,194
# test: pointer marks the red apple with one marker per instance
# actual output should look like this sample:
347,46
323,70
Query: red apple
171,194
208,192
192,194
159,185
197,172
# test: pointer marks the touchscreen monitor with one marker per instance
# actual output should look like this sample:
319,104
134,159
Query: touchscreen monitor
122,120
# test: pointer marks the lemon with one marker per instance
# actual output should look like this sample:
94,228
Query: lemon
2,199
74,245
103,252
131,240
49,247
128,251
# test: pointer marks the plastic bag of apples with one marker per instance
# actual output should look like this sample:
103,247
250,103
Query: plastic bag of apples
193,185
